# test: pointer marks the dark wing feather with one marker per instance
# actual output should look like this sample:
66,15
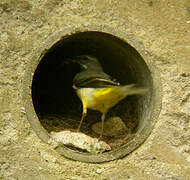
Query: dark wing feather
92,74
93,79
95,83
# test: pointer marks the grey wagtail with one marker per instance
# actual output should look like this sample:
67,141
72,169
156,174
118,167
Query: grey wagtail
97,90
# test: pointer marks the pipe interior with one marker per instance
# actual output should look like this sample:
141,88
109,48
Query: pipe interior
55,101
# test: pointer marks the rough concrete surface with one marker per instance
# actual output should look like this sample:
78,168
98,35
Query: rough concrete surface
163,29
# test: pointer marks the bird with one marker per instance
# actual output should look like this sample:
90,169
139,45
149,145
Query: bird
97,90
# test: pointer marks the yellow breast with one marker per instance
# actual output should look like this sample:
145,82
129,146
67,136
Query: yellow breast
100,99
106,98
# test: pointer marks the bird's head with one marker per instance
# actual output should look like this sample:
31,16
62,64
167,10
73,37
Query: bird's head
86,62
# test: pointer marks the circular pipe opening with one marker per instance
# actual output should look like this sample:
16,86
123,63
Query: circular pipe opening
58,107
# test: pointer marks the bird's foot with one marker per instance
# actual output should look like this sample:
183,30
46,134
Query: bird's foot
100,137
78,129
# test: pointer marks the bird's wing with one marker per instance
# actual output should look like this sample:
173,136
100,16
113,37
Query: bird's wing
92,74
95,82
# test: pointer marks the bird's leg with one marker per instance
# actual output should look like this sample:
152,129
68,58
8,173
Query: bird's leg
102,118
84,113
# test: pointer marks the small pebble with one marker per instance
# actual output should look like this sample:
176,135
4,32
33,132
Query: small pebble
112,127
99,171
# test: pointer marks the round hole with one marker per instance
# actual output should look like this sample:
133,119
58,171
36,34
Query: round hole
58,107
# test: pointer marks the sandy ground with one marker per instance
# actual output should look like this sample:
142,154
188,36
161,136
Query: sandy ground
163,29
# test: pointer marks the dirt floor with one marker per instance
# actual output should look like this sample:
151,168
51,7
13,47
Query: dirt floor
163,30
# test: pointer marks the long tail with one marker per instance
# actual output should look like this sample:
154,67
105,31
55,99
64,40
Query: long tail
132,89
